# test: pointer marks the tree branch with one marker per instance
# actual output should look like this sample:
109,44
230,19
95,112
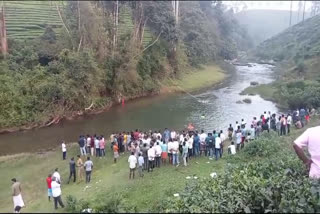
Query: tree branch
149,45
64,25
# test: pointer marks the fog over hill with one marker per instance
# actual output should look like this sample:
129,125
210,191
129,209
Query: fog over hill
263,24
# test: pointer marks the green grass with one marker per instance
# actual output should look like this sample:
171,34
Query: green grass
266,91
194,80
32,169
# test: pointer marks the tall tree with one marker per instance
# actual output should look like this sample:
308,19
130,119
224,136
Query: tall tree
290,13
304,9
115,23
3,33
299,10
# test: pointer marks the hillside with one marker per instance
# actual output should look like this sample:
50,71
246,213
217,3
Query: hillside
28,19
299,41
297,53
263,24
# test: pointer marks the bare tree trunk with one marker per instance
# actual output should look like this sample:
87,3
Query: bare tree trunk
304,10
290,13
64,25
115,24
3,33
79,26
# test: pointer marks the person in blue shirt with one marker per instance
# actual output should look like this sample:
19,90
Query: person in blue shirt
166,135
196,144
210,145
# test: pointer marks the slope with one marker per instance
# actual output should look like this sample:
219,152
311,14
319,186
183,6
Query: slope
28,19
263,24
298,41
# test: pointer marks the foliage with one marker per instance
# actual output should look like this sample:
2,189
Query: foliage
101,203
301,94
276,184
64,71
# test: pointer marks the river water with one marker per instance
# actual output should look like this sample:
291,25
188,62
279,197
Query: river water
217,105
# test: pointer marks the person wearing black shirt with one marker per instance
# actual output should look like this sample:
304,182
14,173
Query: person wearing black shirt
72,165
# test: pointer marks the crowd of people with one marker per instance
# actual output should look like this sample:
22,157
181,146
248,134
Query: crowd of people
150,150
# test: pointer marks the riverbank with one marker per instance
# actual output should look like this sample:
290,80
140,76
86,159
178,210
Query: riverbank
108,179
193,80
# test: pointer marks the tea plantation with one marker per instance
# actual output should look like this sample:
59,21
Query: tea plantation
28,19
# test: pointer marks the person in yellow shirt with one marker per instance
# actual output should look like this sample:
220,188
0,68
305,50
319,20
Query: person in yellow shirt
80,168
125,138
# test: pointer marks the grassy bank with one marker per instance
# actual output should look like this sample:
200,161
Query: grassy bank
206,76
266,91
143,193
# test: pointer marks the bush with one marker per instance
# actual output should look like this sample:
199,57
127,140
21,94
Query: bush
277,183
266,146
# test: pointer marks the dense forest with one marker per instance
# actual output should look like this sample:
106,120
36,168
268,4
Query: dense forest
104,51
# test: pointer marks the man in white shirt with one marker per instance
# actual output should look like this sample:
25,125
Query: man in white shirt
232,149
218,147
88,166
56,175
289,122
132,164
151,157
173,134
158,151
175,153
190,147
64,150
56,193
203,137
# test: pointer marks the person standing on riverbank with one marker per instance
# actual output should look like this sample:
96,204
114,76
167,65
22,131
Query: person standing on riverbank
80,168
151,156
289,122
115,152
196,145
102,145
203,137
132,160
210,145
92,146
56,174
218,143
72,165
283,126
97,146
82,145
64,150
56,193
230,132
49,180
140,165
88,165
175,153
16,194
185,152
158,154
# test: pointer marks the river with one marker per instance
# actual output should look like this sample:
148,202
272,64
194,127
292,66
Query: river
217,104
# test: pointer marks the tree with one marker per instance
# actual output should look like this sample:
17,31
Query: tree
304,9
290,13
315,8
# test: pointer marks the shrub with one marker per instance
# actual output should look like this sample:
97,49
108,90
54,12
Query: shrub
277,183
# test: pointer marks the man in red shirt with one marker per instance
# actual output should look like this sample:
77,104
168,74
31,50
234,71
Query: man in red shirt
136,134
49,180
